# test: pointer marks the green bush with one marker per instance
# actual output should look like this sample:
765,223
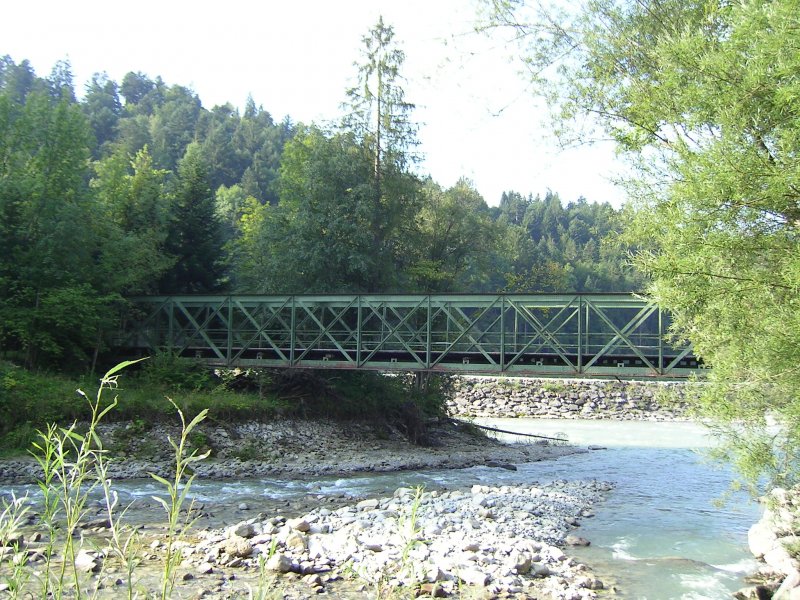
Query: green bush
30,400
176,372
392,400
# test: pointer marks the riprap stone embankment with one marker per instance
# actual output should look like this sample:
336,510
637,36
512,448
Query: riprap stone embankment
568,399
775,541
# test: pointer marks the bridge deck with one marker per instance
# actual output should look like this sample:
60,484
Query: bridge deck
573,335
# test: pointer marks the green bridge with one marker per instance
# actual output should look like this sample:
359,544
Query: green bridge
549,335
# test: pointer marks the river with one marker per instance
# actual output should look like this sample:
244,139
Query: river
659,535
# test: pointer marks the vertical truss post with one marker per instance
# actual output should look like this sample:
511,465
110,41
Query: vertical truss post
447,322
587,313
384,339
293,332
428,335
229,350
580,334
170,324
502,333
359,330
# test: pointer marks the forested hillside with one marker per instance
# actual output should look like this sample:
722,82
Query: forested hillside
134,187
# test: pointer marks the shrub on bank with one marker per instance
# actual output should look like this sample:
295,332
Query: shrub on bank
29,401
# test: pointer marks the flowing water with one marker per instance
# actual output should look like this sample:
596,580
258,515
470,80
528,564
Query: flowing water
659,535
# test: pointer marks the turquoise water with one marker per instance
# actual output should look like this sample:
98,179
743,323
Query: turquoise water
661,534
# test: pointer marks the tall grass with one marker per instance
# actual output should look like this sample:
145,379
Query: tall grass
74,464
177,490
12,517
27,398
68,460
30,401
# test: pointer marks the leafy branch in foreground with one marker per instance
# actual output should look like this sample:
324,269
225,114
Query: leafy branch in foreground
699,95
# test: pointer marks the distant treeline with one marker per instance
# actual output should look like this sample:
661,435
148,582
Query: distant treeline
136,188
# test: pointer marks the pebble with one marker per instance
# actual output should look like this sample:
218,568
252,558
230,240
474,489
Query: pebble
575,540
204,568
451,541
244,530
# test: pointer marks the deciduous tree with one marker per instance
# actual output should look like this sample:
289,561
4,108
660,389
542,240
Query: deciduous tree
455,236
707,95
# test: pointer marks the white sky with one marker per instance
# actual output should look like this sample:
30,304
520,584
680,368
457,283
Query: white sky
296,57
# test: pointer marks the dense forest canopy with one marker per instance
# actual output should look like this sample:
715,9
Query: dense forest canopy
134,187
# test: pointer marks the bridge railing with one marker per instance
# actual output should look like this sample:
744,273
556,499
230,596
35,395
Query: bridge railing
525,334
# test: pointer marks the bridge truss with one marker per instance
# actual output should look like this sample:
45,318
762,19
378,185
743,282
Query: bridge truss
554,335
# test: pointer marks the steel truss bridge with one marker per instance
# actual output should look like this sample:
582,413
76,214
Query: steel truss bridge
546,335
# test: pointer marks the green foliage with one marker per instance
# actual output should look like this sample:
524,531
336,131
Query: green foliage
703,95
46,241
177,489
30,400
318,237
405,403
248,450
555,387
175,373
113,196
545,246
454,238
377,112
27,404
194,232
378,117
75,464
19,437
131,193
103,108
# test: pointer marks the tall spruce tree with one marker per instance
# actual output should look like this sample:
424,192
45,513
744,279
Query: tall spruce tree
379,116
195,238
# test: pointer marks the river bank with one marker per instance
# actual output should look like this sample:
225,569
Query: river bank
502,540
236,532
773,540
304,448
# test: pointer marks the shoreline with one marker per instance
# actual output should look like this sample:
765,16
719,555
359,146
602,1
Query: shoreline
529,526
235,535
299,448
774,542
